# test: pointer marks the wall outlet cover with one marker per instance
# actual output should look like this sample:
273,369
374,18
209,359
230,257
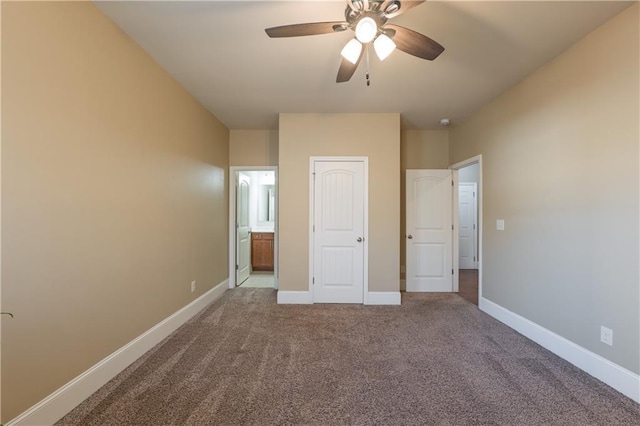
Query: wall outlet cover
606,335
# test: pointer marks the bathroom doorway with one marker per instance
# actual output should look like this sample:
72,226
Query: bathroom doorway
253,227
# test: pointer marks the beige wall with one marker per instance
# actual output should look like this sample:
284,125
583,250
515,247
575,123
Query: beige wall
1,316
253,148
376,136
560,166
114,195
470,173
419,149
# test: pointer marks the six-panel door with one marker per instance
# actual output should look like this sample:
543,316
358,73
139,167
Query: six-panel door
467,213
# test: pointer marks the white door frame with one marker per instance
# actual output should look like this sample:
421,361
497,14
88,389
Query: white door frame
455,167
233,170
365,273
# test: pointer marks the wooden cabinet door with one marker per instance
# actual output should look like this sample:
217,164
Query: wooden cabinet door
262,251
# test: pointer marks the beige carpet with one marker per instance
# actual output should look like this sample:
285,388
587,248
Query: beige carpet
435,360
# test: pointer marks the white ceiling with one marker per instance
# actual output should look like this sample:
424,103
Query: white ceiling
219,52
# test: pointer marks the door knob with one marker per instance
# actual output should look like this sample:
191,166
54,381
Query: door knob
410,237
359,239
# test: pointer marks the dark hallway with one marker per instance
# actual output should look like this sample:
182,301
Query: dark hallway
468,285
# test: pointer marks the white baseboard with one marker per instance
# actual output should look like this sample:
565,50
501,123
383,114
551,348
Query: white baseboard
294,297
59,403
382,298
305,298
619,378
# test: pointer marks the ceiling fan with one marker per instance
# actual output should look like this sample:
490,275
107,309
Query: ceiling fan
368,19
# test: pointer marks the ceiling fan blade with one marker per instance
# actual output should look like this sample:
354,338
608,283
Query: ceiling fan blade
314,28
414,43
347,69
400,7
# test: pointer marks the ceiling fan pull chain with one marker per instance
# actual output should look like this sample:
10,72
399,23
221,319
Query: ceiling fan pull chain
368,81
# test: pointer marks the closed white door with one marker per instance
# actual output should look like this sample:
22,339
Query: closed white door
429,231
467,220
243,235
338,232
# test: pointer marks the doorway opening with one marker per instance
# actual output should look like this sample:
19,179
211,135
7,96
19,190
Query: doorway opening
468,232
253,227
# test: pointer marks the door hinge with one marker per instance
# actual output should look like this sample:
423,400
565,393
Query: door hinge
452,227
451,182
236,267
314,228
452,272
474,258
237,225
474,226
313,280
474,194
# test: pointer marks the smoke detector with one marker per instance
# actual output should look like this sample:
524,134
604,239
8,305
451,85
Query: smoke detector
445,122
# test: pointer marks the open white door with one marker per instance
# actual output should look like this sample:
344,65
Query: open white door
243,240
467,218
338,232
429,231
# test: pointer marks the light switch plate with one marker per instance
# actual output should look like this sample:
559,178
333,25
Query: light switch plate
500,224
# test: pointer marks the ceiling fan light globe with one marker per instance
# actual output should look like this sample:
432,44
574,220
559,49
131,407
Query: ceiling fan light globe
383,46
351,51
366,29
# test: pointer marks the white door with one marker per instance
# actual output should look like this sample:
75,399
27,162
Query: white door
338,232
429,230
467,209
243,235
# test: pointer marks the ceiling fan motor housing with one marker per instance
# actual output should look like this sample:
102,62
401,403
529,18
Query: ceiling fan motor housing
354,16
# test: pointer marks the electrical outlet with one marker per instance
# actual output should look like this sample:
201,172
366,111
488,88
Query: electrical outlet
193,286
606,335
